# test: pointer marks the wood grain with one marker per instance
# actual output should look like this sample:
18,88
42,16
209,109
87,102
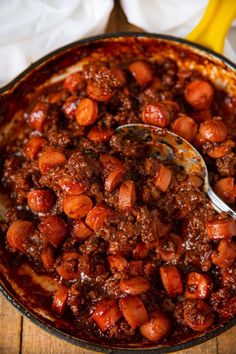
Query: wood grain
19,335
10,328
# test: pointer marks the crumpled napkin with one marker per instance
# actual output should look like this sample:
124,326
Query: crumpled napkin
30,29
173,17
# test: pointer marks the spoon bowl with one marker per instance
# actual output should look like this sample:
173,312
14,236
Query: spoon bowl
170,147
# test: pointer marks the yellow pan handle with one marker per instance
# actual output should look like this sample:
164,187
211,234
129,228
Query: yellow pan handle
212,30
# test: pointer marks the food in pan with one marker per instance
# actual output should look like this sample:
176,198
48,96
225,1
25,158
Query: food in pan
132,246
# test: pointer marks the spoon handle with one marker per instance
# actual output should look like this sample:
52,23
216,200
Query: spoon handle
218,203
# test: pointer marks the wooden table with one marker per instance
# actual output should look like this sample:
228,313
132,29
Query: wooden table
19,335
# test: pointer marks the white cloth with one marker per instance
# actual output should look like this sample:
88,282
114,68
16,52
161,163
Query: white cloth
30,29
173,17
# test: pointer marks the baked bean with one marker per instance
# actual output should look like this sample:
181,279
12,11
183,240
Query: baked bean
86,112
50,159
117,263
199,94
133,311
185,127
38,116
97,216
81,231
134,285
127,195
60,300
213,130
157,328
40,201
218,229
198,315
73,82
198,286
99,92
54,228
113,179
71,186
163,178
106,314
225,254
34,146
100,135
171,279
18,234
110,163
142,72
224,187
156,114
47,257
77,206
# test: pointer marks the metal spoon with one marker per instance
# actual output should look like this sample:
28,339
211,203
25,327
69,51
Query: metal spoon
167,146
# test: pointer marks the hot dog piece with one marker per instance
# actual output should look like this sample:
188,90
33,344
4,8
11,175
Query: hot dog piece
198,315
38,116
133,311
54,228
60,300
225,254
113,179
117,263
224,187
47,257
81,231
49,160
106,314
34,146
198,286
134,285
156,114
86,112
100,135
171,279
142,72
110,163
77,206
40,201
221,229
185,127
163,178
127,195
213,130
97,216
71,186
199,94
18,234
157,327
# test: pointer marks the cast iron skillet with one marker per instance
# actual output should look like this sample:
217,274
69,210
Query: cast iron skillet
13,97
